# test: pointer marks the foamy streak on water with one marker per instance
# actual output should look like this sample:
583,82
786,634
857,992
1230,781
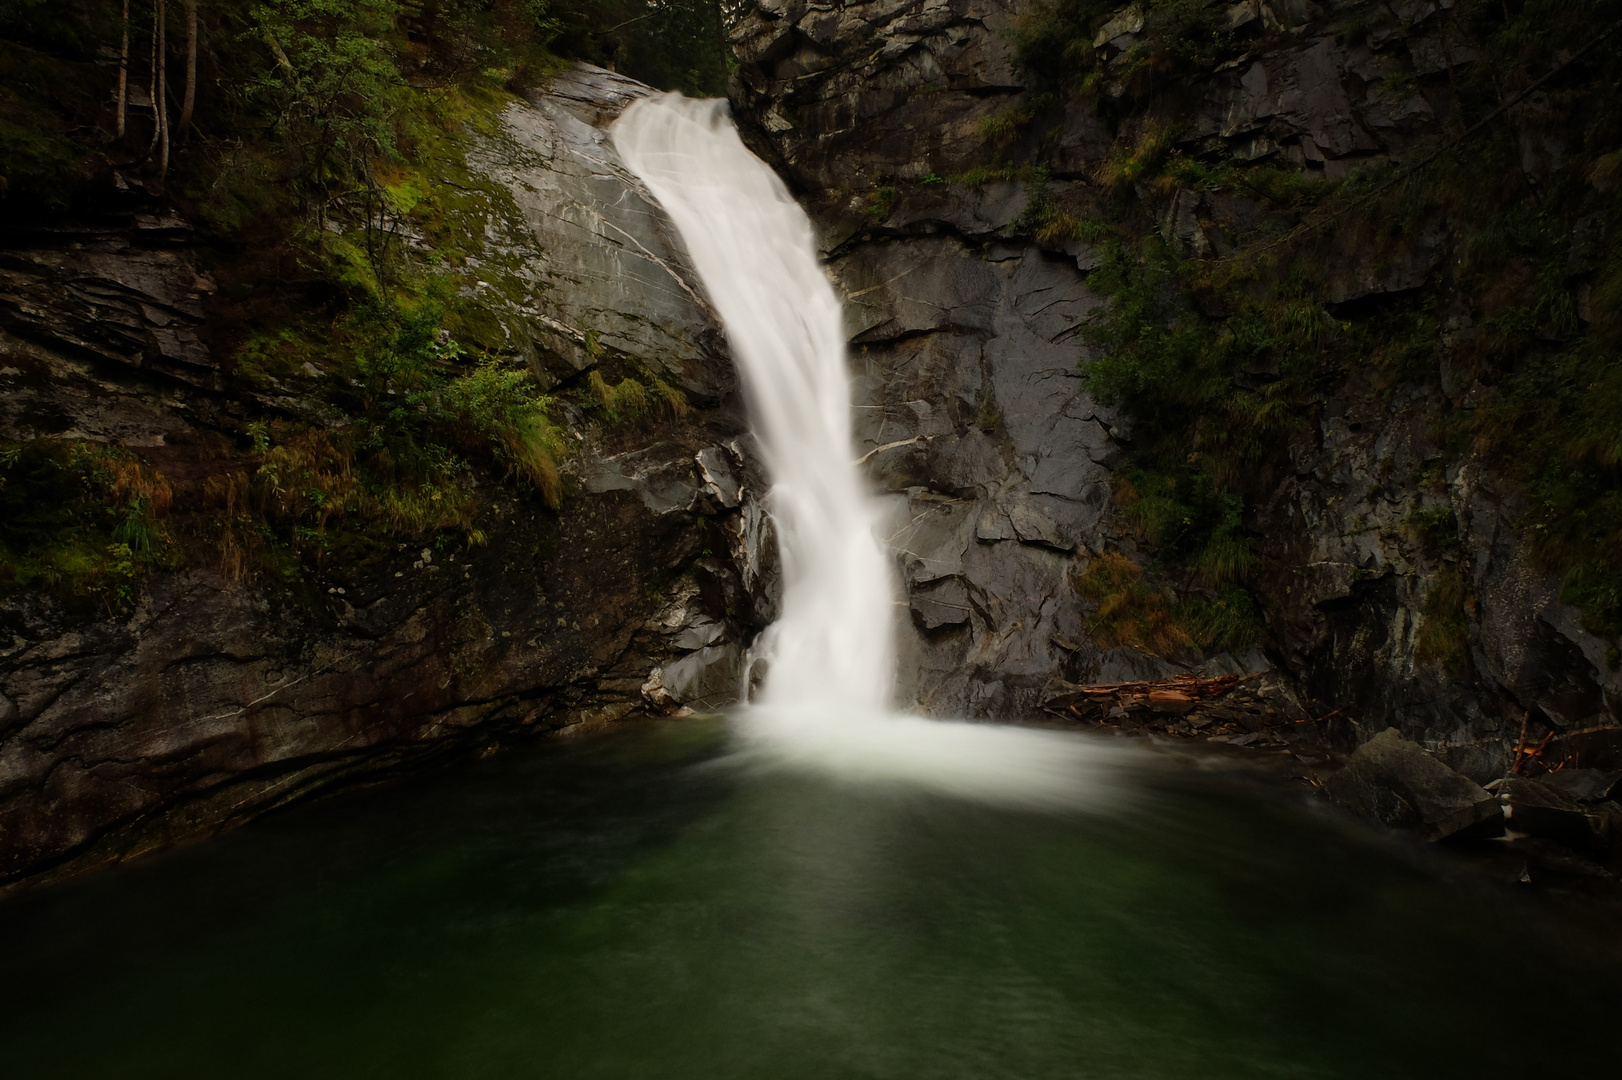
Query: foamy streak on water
831,654
994,763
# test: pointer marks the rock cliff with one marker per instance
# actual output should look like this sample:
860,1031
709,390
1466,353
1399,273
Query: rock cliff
932,162
210,699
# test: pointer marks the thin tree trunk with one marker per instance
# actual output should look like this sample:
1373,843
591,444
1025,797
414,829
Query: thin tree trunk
124,69
190,99
152,90
161,102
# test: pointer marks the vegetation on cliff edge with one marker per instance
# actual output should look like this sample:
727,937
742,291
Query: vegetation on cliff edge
321,147
1223,357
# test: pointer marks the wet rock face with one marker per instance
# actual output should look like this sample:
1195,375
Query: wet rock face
852,91
209,702
975,422
609,272
972,417
131,298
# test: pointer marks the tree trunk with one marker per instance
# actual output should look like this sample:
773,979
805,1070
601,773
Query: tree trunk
152,92
124,69
160,104
190,99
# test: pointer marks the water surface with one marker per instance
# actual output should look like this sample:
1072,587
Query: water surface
625,907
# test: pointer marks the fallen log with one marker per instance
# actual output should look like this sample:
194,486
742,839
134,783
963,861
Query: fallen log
1186,689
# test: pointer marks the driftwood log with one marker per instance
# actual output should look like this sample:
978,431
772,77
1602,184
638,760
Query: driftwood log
1178,694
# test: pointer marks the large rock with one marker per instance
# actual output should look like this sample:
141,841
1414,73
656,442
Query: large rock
1396,782
1546,809
602,270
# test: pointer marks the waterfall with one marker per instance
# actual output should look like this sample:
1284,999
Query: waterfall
826,701
752,246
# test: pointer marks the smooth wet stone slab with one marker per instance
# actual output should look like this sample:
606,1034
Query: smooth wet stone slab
1396,782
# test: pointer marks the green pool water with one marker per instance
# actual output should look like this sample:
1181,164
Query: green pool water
631,906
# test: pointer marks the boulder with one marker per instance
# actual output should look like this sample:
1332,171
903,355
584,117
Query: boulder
1396,782
1543,809
1589,785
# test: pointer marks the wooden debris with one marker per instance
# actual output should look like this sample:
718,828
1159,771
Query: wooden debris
1169,695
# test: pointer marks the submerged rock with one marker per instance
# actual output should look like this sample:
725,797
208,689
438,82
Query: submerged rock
1396,782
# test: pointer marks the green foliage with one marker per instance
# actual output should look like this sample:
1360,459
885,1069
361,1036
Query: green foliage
1049,220
326,133
880,202
1006,123
1276,186
1437,529
41,168
1054,43
1220,362
632,399
1184,517
42,99
672,44
1557,427
980,175
301,102
330,90
1218,393
422,410
81,519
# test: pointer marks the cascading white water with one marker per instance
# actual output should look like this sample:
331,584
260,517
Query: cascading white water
826,699
751,244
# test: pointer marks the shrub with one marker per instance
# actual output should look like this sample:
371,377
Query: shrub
81,518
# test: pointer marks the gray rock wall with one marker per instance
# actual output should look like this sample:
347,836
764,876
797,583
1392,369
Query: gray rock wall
211,701
974,418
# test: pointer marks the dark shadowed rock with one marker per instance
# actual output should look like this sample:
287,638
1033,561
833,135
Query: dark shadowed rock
1543,809
1396,782
1588,785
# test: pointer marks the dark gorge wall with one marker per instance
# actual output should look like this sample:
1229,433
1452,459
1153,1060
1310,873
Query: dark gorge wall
978,207
140,709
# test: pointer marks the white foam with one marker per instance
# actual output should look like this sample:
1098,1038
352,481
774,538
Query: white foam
1022,767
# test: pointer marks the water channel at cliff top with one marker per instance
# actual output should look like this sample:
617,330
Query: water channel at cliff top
636,905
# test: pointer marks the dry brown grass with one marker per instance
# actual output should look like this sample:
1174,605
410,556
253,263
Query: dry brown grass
1131,612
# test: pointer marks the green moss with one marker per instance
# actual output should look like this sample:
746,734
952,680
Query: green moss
880,202
81,519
